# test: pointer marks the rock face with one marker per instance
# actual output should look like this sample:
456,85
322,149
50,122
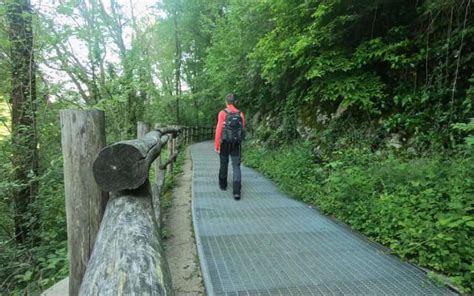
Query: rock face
394,141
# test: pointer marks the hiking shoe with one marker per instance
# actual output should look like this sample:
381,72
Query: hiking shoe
236,196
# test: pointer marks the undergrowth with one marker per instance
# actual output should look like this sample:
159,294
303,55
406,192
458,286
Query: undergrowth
419,207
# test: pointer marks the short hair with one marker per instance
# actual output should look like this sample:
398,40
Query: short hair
230,98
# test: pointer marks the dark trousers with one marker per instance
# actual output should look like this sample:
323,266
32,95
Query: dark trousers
232,149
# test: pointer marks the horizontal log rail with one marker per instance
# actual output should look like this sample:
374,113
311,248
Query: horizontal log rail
169,161
127,258
125,165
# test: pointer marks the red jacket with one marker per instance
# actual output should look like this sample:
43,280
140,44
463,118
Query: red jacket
220,124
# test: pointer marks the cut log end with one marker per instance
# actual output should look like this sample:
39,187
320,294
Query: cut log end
120,166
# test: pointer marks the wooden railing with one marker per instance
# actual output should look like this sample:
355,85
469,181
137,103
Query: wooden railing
119,252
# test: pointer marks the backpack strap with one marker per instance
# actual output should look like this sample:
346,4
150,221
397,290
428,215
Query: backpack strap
227,111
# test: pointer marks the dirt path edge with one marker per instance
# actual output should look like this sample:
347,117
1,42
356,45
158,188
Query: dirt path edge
180,245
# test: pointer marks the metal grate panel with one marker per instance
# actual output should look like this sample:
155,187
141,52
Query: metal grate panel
270,244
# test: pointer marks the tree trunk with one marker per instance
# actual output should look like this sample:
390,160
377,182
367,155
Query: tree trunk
131,99
178,62
23,100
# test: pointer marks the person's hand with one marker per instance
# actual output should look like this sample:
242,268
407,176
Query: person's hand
217,151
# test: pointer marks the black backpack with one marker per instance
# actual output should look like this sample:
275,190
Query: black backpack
233,127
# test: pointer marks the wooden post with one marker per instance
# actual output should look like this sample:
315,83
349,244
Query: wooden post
175,144
159,182
188,136
82,136
158,159
169,168
142,129
158,173
177,140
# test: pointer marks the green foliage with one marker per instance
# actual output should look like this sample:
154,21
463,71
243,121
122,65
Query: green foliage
34,266
405,67
468,128
420,208
303,177
386,70
228,65
31,270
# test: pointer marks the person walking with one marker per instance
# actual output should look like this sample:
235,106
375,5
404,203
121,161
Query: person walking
228,139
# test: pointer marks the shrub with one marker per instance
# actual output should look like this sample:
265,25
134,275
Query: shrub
420,208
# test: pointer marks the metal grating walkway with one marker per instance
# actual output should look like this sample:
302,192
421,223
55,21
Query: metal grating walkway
270,244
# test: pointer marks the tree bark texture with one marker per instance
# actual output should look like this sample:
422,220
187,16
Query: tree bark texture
128,256
23,101
178,59
126,164
82,137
